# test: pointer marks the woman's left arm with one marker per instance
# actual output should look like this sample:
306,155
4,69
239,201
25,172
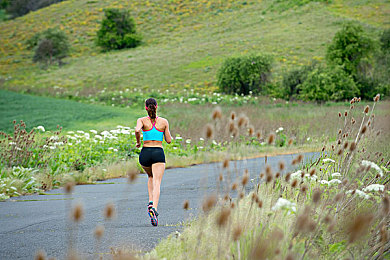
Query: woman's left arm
138,132
167,133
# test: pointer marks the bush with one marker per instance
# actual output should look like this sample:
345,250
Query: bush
242,75
350,46
18,8
49,46
385,40
328,83
295,77
117,30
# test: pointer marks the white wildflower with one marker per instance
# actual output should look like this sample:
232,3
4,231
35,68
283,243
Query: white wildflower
284,204
336,174
54,137
374,187
296,174
373,165
201,139
110,148
280,129
93,131
328,160
105,133
52,147
188,141
41,128
179,138
311,178
99,137
334,181
12,143
80,132
174,148
215,142
115,150
359,193
308,139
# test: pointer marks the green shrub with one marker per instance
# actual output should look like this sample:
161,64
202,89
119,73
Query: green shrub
350,46
242,75
49,46
295,77
328,83
117,30
385,40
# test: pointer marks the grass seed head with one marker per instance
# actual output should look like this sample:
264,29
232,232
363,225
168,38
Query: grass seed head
209,202
290,257
77,212
340,131
312,171
40,255
359,226
346,113
288,176
233,115
232,205
258,134
339,114
245,178
69,186
352,146
377,97
367,109
260,204
209,131
290,141
109,211
304,188
217,113
338,197
132,175
220,178
271,138
281,165
251,130
294,183
223,217
317,196
364,129
231,126
99,232
277,175
345,146
268,169
225,163
234,186
237,231
299,158
386,205
241,195
242,121
340,152
186,205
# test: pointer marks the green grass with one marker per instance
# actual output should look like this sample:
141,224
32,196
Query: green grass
180,48
51,112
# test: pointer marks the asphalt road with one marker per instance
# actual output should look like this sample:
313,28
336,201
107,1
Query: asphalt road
41,222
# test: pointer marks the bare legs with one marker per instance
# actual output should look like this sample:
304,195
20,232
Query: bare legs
155,174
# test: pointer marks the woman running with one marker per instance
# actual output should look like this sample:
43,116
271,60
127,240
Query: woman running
152,158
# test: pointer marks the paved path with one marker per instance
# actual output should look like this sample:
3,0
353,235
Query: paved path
34,222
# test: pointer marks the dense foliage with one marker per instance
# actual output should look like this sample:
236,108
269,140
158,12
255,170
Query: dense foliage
244,75
117,30
18,8
49,46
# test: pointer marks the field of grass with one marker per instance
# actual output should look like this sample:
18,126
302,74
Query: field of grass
50,112
184,42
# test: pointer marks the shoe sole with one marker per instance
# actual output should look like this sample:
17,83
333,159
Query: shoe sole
153,218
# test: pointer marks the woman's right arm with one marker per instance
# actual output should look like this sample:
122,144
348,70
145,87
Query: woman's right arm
167,134
138,128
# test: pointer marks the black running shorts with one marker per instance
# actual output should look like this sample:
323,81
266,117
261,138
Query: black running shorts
150,155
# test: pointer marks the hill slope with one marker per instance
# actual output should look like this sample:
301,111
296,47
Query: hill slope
184,41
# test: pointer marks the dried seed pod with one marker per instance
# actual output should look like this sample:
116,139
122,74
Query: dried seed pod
237,231
245,178
346,113
258,134
209,131
225,163
109,211
377,97
99,232
294,183
217,113
317,195
260,204
209,202
359,226
223,217
233,115
290,141
234,186
288,176
367,109
345,146
271,138
339,114
220,178
364,129
352,147
186,205
69,187
40,255
281,165
312,172
77,212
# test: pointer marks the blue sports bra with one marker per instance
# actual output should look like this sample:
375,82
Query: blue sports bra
153,134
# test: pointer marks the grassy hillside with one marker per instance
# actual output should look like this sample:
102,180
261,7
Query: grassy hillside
51,112
184,41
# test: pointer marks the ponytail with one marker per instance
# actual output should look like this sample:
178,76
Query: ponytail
151,107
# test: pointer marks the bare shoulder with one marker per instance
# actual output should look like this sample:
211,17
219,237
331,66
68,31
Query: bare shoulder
164,120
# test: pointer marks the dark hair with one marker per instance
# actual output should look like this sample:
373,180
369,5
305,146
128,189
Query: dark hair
151,105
